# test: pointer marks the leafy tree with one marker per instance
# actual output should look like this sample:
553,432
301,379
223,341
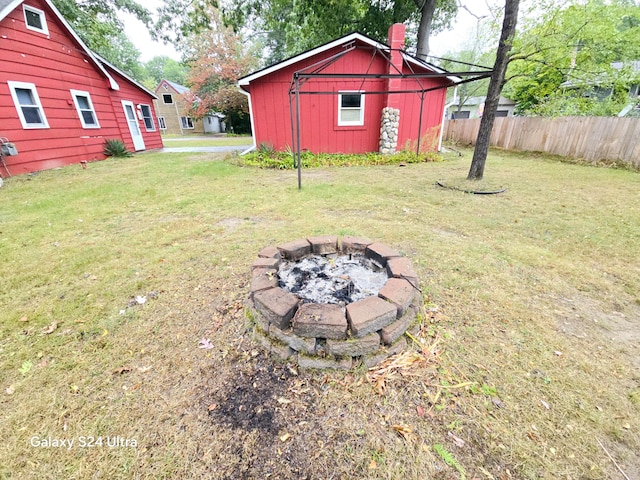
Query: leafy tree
160,67
97,23
218,57
562,53
292,26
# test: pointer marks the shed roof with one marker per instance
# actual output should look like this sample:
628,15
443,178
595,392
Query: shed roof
354,36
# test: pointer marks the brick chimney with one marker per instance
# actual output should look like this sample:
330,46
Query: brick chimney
390,121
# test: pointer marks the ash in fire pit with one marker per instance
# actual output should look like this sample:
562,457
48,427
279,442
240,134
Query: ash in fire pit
325,303
337,280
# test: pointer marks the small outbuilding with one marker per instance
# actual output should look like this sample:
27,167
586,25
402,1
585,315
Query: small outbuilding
59,101
351,95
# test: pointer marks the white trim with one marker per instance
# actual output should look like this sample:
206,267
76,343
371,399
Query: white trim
351,123
43,20
34,92
253,126
162,122
150,117
134,128
75,94
187,118
167,103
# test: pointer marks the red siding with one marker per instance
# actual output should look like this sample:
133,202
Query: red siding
319,123
56,64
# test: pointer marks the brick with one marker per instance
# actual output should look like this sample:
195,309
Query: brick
256,318
400,292
401,267
354,347
393,331
323,245
370,315
324,363
260,262
349,244
295,250
299,344
263,279
274,348
269,252
380,253
320,321
384,353
277,306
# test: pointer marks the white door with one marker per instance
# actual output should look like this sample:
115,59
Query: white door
134,127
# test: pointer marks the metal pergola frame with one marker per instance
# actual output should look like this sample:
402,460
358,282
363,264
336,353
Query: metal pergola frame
314,71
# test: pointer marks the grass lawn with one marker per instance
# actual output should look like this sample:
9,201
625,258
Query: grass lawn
527,360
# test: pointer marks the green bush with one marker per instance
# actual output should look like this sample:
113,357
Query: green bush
114,147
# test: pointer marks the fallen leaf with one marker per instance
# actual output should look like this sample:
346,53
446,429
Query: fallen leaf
420,411
144,369
213,406
627,426
105,332
456,440
121,370
140,299
285,437
373,465
283,401
24,319
206,344
545,404
10,389
558,353
51,328
404,430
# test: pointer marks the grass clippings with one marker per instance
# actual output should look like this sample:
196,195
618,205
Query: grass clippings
536,326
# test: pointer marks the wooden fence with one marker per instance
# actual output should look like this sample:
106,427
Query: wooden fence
594,139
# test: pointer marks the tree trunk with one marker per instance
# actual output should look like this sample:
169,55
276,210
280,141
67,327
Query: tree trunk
426,7
495,88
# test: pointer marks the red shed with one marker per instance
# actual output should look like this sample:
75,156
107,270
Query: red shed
355,94
59,101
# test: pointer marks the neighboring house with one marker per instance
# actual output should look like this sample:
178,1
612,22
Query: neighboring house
171,107
473,107
350,92
59,101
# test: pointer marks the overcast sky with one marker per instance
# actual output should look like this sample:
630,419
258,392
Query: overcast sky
463,28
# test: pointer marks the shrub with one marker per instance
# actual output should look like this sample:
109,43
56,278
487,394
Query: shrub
114,147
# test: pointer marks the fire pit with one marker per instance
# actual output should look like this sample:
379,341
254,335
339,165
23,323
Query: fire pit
328,304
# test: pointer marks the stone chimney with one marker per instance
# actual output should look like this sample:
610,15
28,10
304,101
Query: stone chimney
390,121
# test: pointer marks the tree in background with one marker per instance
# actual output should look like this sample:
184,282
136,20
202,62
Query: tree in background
289,27
160,67
563,58
217,58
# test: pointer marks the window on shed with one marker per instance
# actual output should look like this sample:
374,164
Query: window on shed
167,98
350,108
85,109
35,20
187,123
162,123
148,119
27,102
502,113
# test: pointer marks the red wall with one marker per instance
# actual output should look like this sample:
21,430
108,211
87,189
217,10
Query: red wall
319,125
56,64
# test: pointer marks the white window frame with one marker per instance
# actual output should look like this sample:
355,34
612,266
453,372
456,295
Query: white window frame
164,101
186,121
34,92
43,20
162,123
351,123
150,117
79,93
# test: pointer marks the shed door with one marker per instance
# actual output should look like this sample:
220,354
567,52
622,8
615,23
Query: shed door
134,127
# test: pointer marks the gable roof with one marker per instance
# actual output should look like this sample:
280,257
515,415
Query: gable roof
124,75
176,86
355,36
8,6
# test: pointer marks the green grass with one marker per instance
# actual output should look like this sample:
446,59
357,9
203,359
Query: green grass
536,292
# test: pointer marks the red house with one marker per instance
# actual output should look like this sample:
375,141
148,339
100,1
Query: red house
59,101
355,95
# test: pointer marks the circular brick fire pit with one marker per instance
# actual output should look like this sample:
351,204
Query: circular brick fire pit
340,332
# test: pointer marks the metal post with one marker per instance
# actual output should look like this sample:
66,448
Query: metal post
297,82
420,122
